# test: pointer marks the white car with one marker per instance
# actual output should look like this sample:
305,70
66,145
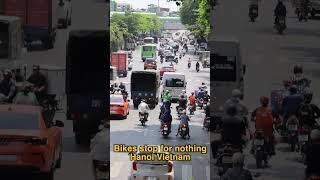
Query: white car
152,170
64,12
191,49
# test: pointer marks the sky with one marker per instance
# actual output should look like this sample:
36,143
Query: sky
144,3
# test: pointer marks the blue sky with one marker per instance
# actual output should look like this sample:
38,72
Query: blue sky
144,3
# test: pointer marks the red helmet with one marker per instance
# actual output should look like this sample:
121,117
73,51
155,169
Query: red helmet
264,100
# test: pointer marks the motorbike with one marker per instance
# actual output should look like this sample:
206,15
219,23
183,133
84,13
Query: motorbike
206,124
189,65
165,130
281,24
258,148
200,103
161,60
303,138
197,68
224,160
253,12
292,135
183,131
143,118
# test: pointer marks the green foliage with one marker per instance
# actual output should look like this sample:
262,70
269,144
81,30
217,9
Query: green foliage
128,25
197,21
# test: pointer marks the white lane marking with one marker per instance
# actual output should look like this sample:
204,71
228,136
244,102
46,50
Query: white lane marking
187,172
208,172
115,169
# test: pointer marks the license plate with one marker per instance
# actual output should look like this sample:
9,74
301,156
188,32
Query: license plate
226,160
8,157
184,129
165,128
258,142
112,112
303,138
151,178
293,127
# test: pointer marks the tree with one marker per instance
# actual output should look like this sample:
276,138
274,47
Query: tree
188,12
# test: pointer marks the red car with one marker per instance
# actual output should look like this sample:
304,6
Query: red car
28,142
150,63
166,69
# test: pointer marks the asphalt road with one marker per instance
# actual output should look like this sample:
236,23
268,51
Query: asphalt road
269,58
129,131
87,14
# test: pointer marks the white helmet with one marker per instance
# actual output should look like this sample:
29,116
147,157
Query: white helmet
236,93
315,134
238,159
183,112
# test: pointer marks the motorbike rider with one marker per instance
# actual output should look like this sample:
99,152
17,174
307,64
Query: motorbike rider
192,101
122,86
144,108
182,102
236,98
184,120
232,129
290,104
237,172
7,87
167,98
206,96
166,118
39,82
263,118
200,95
197,65
298,77
308,112
312,154
279,11
26,96
254,4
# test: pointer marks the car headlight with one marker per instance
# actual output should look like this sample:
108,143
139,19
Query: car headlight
151,94
139,94
146,94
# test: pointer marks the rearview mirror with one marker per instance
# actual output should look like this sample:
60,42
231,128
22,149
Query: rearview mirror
59,123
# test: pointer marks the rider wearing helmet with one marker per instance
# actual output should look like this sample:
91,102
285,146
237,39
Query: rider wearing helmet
143,108
307,112
237,170
7,86
192,100
184,120
182,102
312,154
166,118
290,104
298,77
263,118
236,99
39,81
26,97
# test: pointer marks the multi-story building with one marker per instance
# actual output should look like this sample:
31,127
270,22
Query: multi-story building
113,6
123,7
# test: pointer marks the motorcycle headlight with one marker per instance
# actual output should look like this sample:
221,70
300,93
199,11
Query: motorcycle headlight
151,94
140,94
146,94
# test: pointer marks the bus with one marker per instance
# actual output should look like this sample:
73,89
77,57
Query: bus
148,40
148,51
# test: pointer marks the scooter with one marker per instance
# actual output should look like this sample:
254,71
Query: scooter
200,103
292,135
165,130
253,12
189,65
258,148
191,109
197,68
143,118
303,139
224,160
183,131
206,124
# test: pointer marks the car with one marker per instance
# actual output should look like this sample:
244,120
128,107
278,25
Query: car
170,58
28,141
152,170
64,13
166,69
150,63
119,106
191,49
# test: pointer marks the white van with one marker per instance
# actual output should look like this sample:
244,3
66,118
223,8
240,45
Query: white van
227,71
174,82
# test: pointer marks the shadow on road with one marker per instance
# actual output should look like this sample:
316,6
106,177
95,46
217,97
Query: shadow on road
305,51
70,146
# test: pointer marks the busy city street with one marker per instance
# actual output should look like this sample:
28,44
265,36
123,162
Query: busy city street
76,159
270,58
130,132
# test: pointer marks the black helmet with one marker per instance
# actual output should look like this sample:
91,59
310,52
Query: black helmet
293,89
297,69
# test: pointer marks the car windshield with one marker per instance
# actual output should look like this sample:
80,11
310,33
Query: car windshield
147,48
174,83
22,121
116,99
149,61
